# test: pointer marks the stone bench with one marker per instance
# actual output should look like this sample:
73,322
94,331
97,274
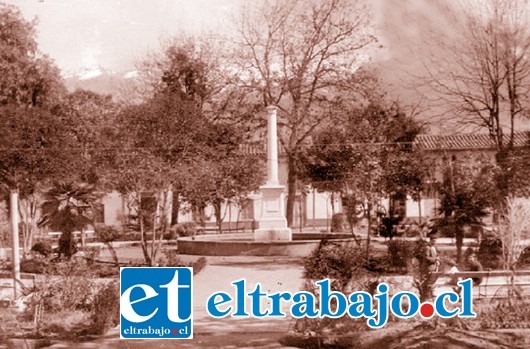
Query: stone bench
494,284
6,286
90,235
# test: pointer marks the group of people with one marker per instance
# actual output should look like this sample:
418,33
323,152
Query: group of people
433,261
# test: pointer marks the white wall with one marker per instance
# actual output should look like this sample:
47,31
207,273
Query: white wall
114,208
318,205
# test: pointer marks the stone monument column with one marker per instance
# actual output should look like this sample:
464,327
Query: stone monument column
272,223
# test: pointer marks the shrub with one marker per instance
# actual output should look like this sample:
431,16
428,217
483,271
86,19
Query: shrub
337,223
105,309
387,226
90,253
34,266
490,252
43,248
412,230
106,233
198,265
72,288
346,267
336,262
524,259
185,229
173,260
505,314
400,254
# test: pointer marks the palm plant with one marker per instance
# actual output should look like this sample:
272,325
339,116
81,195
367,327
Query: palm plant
68,207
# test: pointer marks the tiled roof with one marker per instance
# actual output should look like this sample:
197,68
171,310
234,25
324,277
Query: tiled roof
258,148
466,141
253,149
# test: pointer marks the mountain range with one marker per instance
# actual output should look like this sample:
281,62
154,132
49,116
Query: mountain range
99,80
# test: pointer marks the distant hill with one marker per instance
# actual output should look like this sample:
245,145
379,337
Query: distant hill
100,80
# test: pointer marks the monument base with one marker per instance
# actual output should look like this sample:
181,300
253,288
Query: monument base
273,234
272,223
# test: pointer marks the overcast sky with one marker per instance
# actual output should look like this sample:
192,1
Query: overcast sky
114,34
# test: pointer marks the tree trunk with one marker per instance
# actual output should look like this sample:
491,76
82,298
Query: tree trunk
143,242
175,208
459,236
292,177
218,215
28,215
368,235
154,246
164,216
239,209
15,258
199,214
112,252
229,208
419,208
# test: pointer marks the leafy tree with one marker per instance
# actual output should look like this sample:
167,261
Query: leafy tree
28,78
33,139
296,55
91,118
35,148
366,171
224,175
190,71
200,69
156,140
466,192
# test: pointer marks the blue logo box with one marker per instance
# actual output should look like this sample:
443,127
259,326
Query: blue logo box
156,303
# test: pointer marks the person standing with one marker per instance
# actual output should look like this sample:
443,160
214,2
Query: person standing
431,255
472,264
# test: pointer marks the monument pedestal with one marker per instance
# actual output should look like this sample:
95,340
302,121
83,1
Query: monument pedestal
272,223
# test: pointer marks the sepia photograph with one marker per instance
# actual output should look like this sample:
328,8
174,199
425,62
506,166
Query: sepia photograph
317,174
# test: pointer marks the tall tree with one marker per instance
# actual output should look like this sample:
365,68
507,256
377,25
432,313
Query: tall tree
33,139
482,77
223,175
294,54
466,192
362,158
28,77
155,141
190,70
91,118
35,148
